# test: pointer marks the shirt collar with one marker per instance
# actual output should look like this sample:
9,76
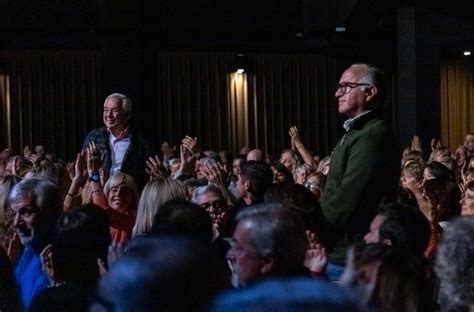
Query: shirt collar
122,135
347,125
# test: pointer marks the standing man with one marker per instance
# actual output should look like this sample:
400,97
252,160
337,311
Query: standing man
364,164
120,149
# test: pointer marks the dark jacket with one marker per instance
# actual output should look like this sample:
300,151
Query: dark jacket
134,162
365,167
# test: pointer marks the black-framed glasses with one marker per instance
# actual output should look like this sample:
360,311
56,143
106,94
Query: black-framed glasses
347,87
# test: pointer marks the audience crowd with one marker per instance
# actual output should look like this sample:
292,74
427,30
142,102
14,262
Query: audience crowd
190,229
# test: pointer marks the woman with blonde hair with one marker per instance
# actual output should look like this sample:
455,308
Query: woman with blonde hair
154,195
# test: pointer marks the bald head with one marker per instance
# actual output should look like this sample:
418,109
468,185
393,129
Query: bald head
255,154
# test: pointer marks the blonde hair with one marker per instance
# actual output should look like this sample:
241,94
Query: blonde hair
154,195
6,184
120,178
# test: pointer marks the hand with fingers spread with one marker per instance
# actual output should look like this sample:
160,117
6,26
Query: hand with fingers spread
215,173
167,150
34,159
155,168
316,256
435,144
295,137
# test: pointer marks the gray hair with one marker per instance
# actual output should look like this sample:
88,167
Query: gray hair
125,101
278,232
454,264
44,192
375,77
202,190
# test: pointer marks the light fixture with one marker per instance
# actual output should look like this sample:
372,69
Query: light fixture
240,71
467,53
241,63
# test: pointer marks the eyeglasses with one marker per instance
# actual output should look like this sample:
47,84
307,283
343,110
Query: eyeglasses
312,185
347,87
216,205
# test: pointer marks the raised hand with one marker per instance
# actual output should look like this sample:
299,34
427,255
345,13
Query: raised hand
295,136
93,158
191,144
435,144
26,152
155,168
416,144
316,256
216,173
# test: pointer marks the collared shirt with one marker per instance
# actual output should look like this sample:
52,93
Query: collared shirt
118,147
347,125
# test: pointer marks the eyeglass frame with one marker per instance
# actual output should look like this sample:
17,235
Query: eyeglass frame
346,87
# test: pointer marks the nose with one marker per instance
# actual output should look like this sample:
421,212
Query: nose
16,219
338,93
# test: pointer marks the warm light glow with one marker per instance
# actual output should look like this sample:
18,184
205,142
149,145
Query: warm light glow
467,53
240,71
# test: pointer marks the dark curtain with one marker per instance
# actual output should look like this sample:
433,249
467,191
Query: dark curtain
54,98
199,94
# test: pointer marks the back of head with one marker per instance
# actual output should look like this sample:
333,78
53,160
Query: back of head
405,226
295,294
180,217
160,274
454,264
439,171
278,232
80,238
298,199
259,174
154,195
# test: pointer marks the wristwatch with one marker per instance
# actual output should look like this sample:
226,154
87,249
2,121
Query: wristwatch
95,177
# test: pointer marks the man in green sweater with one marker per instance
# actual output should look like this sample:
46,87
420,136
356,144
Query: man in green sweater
364,164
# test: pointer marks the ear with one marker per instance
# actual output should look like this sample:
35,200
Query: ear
247,185
387,242
371,93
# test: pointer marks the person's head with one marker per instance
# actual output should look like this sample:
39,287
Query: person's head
302,172
179,217
211,159
256,154
80,238
154,195
35,204
469,142
255,177
387,278
269,240
161,274
6,184
211,198
361,87
461,155
300,200
436,199
117,112
400,226
453,265
302,294
281,173
289,159
315,183
412,175
411,155
436,170
121,192
467,200
236,164
175,163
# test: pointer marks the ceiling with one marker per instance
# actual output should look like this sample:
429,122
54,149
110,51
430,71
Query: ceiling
296,25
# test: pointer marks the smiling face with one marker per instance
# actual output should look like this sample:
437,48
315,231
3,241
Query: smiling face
355,100
114,117
120,197
467,203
